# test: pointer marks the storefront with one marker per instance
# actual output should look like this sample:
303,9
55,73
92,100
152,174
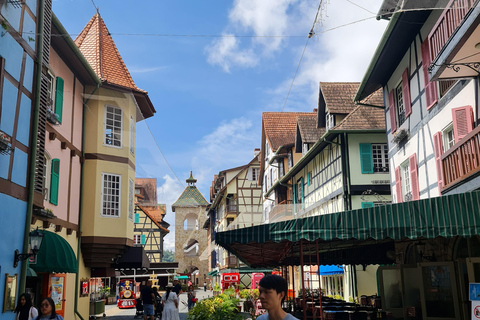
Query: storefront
47,277
431,247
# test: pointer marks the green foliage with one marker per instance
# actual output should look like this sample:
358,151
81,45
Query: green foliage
249,294
216,287
168,256
221,307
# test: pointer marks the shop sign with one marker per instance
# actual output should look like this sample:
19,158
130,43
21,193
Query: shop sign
474,292
84,287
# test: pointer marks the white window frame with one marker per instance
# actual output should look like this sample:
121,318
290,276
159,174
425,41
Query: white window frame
51,90
119,209
47,173
380,156
137,239
105,129
132,136
304,148
329,121
255,172
131,185
399,105
448,137
406,182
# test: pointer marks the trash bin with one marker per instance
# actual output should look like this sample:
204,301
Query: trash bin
97,307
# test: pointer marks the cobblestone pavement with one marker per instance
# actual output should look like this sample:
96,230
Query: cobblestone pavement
112,312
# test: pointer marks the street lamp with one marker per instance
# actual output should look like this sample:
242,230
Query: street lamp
35,239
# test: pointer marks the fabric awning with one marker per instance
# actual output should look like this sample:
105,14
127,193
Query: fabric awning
339,234
183,277
212,273
329,270
55,255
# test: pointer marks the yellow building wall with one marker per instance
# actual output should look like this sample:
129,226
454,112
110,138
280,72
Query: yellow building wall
94,224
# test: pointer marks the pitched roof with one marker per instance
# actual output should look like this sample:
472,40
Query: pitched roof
152,215
98,47
280,127
363,118
339,96
307,127
191,197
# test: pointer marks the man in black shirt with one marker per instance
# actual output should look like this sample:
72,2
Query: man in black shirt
148,299
177,288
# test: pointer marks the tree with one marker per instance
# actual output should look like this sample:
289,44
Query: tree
168,256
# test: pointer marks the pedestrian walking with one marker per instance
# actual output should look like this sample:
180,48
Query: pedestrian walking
170,304
205,286
25,310
47,310
148,299
191,298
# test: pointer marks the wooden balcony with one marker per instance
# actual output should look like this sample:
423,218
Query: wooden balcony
231,262
451,18
462,160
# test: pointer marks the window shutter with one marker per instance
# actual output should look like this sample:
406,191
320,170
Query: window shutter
431,94
393,116
367,205
398,184
309,177
462,122
137,218
59,99
142,239
438,148
412,162
366,159
54,181
407,101
302,190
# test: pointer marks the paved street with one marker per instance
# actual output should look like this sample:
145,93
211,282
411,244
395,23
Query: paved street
114,313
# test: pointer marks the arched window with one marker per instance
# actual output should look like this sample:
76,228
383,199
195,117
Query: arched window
190,222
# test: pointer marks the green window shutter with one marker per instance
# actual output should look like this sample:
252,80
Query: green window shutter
367,205
54,181
142,239
137,218
366,160
59,99
309,177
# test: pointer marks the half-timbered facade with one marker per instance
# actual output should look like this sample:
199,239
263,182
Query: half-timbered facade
236,202
149,232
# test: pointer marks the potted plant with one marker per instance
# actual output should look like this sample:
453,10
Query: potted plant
52,117
399,135
5,141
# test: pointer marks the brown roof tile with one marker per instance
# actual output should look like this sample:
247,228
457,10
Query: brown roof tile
363,118
280,127
98,47
339,96
307,126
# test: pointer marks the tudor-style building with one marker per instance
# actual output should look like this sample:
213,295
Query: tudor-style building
109,146
190,238
236,202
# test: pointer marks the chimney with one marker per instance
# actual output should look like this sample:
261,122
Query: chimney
315,110
256,152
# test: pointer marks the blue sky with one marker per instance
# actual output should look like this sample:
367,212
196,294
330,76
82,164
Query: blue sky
210,90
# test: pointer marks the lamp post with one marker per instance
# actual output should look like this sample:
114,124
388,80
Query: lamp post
35,240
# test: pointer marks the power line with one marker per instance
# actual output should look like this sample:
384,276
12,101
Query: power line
310,34
361,7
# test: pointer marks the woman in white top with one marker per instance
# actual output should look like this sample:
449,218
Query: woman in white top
24,309
170,304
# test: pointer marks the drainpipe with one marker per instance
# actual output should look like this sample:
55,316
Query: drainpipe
80,206
33,151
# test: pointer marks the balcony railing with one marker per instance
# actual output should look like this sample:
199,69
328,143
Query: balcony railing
231,262
451,18
462,160
252,216
281,212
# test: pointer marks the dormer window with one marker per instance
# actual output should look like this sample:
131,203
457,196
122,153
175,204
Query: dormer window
329,121
304,148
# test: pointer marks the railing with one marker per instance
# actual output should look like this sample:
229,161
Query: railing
462,160
245,219
281,212
231,262
450,19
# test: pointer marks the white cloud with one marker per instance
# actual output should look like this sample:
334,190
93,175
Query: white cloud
144,70
226,52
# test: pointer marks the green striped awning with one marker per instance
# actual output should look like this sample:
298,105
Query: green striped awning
446,216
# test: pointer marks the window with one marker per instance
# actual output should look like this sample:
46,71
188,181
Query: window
406,187
290,159
304,148
406,180
448,137
113,126
254,174
111,195
136,239
50,90
380,157
329,121
374,157
132,135
281,169
54,181
47,171
130,198
400,109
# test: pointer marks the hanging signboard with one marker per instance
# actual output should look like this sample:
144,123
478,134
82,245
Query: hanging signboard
474,292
